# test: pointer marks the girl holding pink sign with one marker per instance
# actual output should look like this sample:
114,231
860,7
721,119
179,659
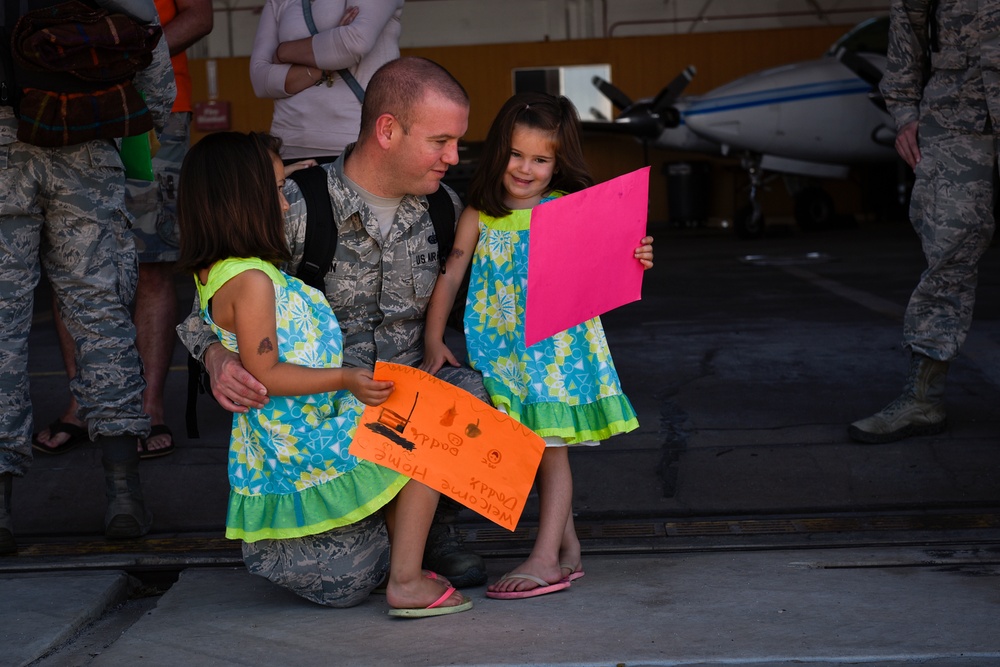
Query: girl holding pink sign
565,387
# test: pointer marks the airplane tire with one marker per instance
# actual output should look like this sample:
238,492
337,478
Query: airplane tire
746,226
814,209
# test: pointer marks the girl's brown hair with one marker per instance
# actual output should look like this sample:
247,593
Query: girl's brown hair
537,111
227,201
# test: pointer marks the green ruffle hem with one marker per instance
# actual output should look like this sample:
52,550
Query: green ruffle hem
595,421
339,502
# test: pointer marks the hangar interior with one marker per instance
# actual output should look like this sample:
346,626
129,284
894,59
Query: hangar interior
640,45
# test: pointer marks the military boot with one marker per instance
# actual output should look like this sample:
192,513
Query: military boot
445,553
919,410
7,544
126,516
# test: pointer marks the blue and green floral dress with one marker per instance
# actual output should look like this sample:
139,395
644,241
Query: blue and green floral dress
564,386
290,473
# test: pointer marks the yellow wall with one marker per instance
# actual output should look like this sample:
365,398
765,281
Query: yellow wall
640,66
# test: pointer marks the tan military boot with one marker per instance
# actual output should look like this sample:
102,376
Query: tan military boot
126,516
919,410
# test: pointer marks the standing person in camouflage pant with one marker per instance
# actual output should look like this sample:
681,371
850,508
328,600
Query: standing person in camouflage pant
379,286
64,208
153,206
942,86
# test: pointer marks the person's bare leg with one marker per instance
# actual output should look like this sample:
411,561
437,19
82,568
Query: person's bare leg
408,519
155,317
570,553
67,347
555,496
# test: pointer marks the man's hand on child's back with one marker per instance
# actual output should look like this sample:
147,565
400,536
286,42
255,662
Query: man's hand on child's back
359,381
233,386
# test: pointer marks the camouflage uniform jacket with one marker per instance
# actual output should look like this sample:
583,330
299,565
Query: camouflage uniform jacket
956,79
156,82
379,289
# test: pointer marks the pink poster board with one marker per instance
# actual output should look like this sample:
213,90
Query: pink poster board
580,260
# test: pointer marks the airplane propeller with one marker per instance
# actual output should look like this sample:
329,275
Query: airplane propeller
664,102
643,119
865,71
620,100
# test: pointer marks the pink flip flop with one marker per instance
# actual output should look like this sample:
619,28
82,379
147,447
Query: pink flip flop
428,574
434,608
543,588
574,573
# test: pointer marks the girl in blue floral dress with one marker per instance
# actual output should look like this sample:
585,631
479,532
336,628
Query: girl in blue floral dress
565,388
291,475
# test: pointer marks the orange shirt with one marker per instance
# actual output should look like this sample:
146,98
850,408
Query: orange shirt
167,9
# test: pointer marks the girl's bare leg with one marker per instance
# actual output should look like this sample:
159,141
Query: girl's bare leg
555,494
570,557
408,519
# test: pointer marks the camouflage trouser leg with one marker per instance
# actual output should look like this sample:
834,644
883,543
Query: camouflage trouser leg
471,381
465,378
65,206
153,205
952,212
338,568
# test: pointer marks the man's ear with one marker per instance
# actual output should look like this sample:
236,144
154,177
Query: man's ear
387,129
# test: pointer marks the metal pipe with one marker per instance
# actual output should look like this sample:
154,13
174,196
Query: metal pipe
738,17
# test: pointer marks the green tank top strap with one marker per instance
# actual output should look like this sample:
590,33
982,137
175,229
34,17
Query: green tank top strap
225,270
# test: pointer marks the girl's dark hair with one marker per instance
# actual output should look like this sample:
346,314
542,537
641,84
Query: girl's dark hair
227,201
537,111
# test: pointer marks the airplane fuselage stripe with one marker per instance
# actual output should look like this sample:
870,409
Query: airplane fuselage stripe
779,95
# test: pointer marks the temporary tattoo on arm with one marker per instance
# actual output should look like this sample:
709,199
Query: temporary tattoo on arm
457,252
265,346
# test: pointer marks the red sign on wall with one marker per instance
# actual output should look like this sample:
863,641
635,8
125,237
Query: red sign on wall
211,116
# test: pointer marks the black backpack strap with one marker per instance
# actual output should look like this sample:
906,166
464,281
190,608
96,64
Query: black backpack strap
442,211
321,232
197,381
10,10
441,208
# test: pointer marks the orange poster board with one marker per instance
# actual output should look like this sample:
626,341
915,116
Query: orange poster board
448,439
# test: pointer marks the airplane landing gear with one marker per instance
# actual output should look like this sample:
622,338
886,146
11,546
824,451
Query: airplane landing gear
749,220
814,208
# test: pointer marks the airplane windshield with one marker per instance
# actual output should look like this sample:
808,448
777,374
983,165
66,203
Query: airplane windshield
871,36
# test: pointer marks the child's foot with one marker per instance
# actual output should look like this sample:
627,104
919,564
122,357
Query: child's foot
570,563
424,594
533,571
571,572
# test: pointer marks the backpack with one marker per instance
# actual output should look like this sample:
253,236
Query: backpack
68,68
321,240
319,248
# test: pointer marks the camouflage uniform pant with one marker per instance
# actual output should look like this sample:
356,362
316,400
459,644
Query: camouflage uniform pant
63,208
338,568
341,567
154,204
465,378
951,210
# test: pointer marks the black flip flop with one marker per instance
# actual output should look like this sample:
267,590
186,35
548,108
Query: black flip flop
78,435
155,430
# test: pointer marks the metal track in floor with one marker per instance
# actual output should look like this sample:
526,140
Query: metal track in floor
617,536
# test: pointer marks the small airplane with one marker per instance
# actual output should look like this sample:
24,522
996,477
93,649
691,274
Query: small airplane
814,119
